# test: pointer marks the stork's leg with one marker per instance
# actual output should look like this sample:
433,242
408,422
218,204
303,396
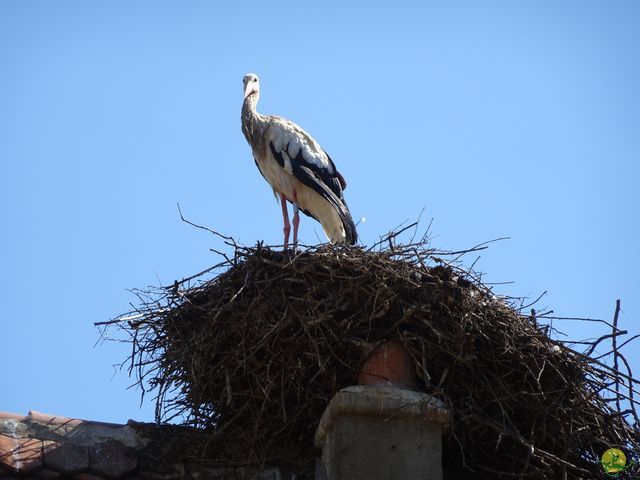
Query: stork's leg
296,219
285,217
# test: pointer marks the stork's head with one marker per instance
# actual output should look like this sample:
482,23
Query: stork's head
251,85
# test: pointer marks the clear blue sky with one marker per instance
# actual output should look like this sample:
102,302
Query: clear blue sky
517,119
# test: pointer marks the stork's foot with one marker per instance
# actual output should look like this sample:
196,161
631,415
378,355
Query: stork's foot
289,252
290,249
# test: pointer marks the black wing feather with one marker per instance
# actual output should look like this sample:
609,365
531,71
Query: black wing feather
325,184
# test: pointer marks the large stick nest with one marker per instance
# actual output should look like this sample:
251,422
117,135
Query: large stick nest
253,350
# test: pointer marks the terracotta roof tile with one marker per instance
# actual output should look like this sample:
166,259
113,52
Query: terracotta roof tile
49,447
66,445
20,454
10,416
40,417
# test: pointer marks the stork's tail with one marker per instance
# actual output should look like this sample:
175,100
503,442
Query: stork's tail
336,220
351,236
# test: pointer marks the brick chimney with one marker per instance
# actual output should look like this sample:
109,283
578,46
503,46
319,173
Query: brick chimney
382,429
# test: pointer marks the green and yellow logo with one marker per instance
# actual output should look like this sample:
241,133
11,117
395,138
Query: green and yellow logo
614,461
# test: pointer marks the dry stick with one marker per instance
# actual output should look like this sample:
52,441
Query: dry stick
632,401
579,319
415,231
480,246
199,274
595,343
201,227
615,351
620,346
390,236
534,302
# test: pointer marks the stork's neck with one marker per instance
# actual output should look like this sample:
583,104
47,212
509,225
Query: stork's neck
251,119
249,104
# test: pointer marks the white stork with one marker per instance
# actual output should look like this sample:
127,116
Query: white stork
297,168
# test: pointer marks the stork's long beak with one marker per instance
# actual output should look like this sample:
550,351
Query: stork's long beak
248,89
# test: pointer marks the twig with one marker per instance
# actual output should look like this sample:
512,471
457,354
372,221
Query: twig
616,354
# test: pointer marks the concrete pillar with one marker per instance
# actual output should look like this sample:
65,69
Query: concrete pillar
381,432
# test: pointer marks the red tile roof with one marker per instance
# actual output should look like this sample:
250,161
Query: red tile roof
50,447
41,442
